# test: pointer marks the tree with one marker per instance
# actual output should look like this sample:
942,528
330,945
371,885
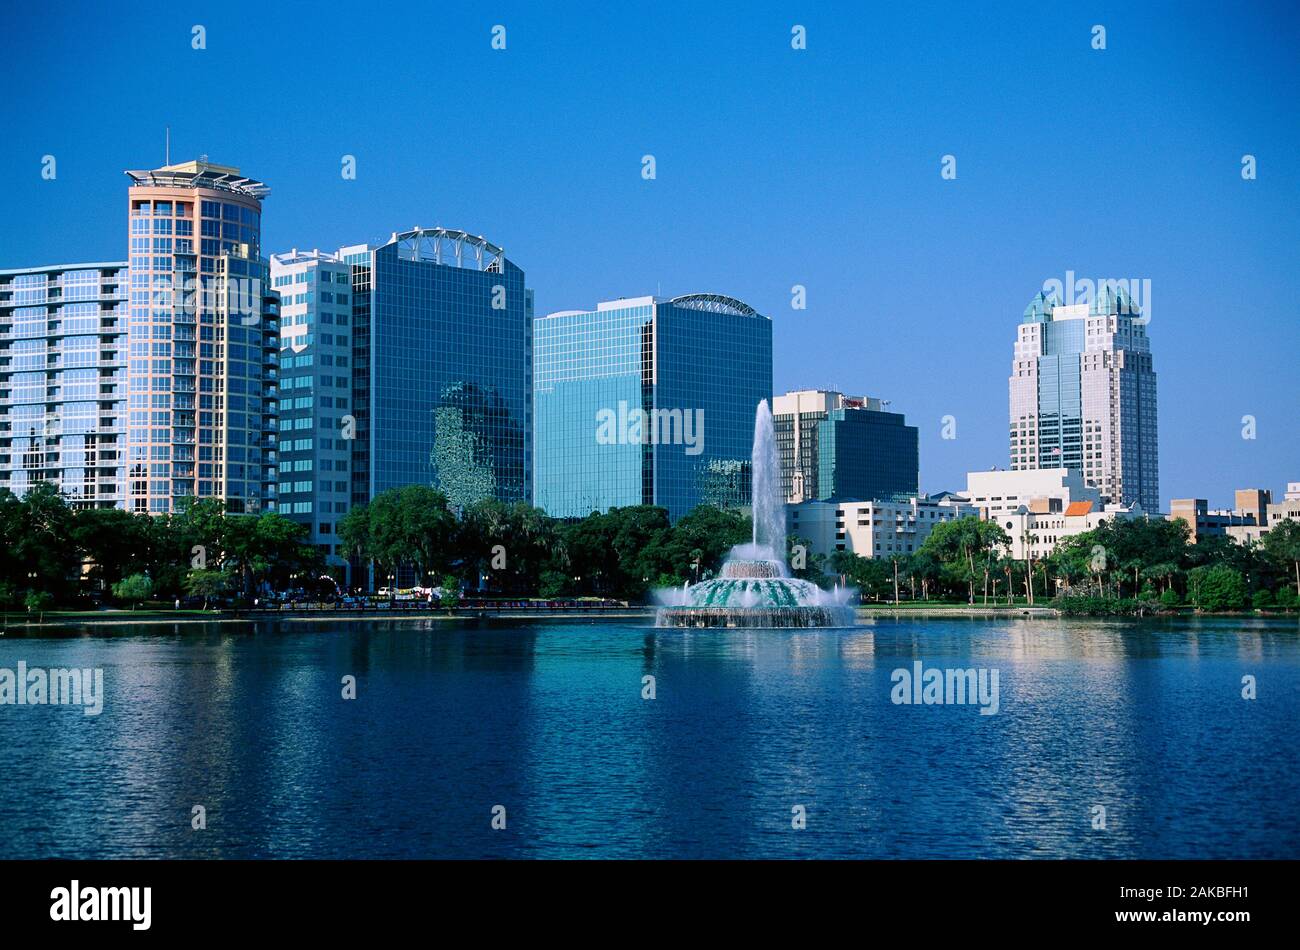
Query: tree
509,545
961,546
1219,588
113,542
207,584
1281,546
697,544
133,589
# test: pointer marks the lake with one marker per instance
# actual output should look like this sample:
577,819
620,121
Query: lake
748,733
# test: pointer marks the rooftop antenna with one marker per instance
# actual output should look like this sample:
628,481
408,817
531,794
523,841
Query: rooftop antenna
167,152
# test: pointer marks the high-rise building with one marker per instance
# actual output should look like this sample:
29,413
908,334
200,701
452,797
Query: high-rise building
316,425
648,401
1083,395
837,446
441,367
62,380
204,340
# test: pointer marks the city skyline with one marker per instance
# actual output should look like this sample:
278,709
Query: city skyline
868,226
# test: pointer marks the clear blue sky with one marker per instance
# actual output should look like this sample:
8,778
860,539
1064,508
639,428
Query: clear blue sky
775,168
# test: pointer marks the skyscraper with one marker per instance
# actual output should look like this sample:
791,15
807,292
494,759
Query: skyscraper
441,367
648,401
837,446
204,340
62,380
1083,395
316,427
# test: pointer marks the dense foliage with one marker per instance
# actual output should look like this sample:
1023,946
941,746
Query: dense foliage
518,549
53,555
1124,566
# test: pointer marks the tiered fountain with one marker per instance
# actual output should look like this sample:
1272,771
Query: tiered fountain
755,588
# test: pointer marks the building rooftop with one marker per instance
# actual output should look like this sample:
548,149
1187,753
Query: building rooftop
200,174
710,303
93,265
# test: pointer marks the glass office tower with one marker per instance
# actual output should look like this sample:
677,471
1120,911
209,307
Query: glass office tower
62,380
1083,395
316,428
442,367
204,341
648,401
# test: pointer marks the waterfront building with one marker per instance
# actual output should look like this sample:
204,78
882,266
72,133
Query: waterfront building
1039,508
648,401
441,337
1049,489
1036,532
314,441
1083,395
837,446
875,527
62,380
204,341
1253,513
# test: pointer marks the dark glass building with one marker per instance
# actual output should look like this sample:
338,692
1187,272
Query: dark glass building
837,446
441,368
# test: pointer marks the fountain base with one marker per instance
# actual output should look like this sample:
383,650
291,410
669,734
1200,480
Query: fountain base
754,592
756,617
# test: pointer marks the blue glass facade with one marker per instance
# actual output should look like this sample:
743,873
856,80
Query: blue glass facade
1060,399
442,337
648,401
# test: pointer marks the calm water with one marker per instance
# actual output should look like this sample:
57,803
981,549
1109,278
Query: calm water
1146,719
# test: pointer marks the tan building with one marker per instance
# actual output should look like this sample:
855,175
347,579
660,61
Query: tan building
204,341
1244,524
1252,514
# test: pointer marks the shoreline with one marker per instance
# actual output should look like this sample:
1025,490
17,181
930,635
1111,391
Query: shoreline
109,619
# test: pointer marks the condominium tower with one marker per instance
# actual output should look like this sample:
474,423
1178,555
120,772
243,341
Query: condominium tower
1083,395
204,339
62,380
648,401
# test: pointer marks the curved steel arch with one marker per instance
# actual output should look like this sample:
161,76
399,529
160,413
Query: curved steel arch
429,244
715,303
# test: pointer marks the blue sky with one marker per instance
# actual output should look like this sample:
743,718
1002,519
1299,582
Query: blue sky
775,167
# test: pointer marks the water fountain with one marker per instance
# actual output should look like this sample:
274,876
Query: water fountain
755,588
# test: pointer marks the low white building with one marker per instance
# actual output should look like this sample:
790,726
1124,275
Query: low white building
997,491
1039,508
873,528
1039,532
